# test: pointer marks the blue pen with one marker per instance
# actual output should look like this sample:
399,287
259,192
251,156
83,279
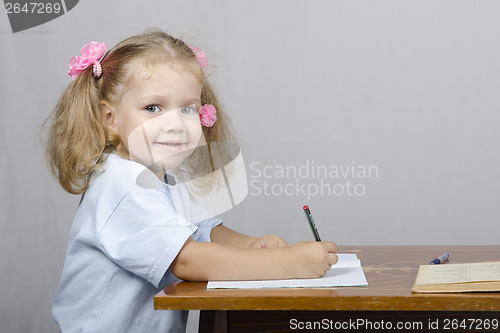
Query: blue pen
440,259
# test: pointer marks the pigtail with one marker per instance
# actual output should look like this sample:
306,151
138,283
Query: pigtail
77,140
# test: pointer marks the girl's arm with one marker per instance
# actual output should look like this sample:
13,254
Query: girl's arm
225,236
203,261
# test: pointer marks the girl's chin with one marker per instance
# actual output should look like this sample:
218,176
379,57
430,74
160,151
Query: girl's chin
159,161
170,163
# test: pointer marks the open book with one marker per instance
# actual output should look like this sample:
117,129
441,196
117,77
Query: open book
347,272
484,276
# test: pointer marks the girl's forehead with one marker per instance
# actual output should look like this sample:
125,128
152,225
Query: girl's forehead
140,72
143,69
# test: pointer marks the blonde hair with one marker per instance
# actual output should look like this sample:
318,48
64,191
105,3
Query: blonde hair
79,140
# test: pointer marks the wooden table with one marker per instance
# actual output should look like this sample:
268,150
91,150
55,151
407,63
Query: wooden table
390,271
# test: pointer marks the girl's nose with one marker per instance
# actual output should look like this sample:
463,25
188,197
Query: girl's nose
172,121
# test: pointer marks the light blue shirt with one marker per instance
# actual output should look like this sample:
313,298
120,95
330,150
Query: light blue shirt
128,229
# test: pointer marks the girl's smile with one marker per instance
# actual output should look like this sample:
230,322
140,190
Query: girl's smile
170,146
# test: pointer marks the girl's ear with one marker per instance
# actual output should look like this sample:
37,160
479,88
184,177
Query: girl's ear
108,114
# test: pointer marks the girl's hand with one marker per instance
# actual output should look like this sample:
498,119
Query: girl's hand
311,259
268,241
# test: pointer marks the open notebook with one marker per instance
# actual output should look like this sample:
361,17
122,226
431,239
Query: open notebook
347,272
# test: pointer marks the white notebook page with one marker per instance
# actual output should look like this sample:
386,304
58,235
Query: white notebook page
347,272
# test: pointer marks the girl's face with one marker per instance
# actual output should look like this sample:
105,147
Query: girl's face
157,117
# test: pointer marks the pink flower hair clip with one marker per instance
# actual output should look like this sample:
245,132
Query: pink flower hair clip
92,53
207,115
201,58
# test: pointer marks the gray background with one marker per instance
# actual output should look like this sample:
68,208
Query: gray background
410,87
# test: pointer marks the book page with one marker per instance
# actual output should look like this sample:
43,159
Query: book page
458,273
347,272
485,271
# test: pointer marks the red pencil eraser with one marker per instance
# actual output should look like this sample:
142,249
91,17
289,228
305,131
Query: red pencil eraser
306,207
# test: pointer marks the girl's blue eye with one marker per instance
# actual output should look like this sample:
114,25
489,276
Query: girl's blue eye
188,110
152,108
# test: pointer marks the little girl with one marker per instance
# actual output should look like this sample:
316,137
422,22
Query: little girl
131,115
